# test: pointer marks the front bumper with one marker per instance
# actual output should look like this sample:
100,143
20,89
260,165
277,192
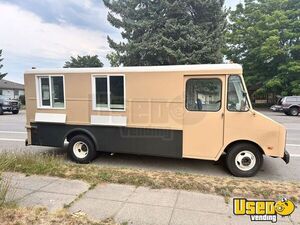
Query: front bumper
286,157
6,108
9,108
276,108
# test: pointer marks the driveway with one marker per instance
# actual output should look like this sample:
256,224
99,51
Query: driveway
12,136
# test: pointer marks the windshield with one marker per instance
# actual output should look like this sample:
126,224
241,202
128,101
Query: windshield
237,96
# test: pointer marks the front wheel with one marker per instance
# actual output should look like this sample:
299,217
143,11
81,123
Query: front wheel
1,110
81,149
244,160
15,111
294,111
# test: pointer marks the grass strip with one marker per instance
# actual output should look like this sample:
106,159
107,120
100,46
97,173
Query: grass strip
37,216
50,165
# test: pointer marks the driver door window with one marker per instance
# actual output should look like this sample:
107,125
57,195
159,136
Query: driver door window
203,94
236,96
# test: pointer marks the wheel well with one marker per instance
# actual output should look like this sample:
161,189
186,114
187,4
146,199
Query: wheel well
243,141
74,133
294,106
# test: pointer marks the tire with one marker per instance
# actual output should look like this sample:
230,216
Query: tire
294,111
1,110
15,111
244,160
286,113
81,149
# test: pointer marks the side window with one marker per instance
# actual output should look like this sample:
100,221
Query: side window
45,91
291,99
109,93
57,92
236,95
203,94
51,91
101,92
116,92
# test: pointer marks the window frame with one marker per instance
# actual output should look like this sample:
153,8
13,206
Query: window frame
244,86
205,78
108,108
39,91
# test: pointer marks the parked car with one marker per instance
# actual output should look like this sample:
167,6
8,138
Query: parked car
291,105
278,106
9,105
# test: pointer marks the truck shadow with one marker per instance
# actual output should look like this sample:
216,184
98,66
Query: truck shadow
270,170
195,166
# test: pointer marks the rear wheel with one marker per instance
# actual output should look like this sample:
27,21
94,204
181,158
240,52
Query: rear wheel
1,110
81,149
294,111
244,160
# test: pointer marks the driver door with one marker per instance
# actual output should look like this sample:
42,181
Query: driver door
203,126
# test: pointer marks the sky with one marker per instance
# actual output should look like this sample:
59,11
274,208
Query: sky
45,33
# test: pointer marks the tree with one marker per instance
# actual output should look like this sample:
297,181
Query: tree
1,59
264,36
84,61
163,32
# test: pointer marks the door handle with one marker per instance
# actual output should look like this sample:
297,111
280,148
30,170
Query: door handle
222,115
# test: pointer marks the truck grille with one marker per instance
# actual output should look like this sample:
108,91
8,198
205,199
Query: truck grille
14,103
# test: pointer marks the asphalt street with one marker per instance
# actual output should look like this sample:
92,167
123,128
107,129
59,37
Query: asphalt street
13,134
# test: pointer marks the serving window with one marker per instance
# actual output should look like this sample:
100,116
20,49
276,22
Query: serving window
108,92
51,91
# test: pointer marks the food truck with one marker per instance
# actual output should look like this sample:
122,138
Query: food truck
182,111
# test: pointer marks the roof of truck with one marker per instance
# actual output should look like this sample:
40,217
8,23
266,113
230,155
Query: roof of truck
202,68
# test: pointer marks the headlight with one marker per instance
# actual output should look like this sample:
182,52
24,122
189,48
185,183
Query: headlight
6,103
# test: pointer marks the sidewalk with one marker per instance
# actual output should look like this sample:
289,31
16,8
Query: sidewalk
128,204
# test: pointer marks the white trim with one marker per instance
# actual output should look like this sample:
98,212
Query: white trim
50,91
109,120
293,145
108,93
215,68
39,93
50,117
107,76
12,132
12,139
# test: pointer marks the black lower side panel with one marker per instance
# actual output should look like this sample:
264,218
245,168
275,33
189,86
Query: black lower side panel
156,142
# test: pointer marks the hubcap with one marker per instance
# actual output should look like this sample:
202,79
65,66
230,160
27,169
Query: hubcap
245,160
80,149
294,112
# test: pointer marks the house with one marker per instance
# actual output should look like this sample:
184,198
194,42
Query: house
11,89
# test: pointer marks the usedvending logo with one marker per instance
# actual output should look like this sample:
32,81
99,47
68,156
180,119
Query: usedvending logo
263,210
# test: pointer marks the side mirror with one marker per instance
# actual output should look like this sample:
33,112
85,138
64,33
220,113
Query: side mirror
253,112
244,105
